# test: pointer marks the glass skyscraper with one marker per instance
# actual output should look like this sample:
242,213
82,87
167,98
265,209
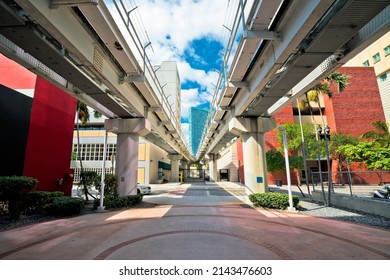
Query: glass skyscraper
197,120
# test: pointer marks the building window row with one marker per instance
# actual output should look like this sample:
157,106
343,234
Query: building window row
377,57
366,63
383,77
387,50
93,152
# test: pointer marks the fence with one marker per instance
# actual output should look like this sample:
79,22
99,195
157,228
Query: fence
353,183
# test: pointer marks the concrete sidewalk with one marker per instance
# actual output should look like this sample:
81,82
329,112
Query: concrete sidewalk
201,222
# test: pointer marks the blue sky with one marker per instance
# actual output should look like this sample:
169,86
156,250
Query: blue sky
191,33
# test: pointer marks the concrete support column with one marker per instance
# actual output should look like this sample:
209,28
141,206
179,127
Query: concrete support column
255,167
128,132
175,166
127,163
185,165
213,167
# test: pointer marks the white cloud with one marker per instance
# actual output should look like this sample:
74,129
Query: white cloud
185,130
182,20
171,26
190,98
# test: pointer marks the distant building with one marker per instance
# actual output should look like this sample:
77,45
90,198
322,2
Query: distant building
197,120
168,76
377,55
153,164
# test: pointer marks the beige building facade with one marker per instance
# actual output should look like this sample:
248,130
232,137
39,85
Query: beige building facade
153,164
377,55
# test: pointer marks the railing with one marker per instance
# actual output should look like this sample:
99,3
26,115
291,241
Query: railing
353,183
237,8
142,49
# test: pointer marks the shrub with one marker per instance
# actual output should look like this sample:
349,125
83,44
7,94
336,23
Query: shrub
66,206
14,189
12,184
114,201
110,184
38,200
272,200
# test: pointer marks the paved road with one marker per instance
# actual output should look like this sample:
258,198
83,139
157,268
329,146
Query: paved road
196,222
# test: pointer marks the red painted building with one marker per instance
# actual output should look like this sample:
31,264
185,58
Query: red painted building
350,112
37,120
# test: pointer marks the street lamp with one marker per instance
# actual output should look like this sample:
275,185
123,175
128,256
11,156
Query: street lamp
290,201
326,137
326,133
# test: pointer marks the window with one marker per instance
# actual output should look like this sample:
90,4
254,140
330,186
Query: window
383,77
366,63
94,151
387,50
376,57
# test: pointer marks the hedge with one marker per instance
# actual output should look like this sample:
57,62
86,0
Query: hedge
39,198
37,201
10,185
14,189
114,201
65,206
272,200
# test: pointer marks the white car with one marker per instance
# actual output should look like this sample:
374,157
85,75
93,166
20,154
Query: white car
143,189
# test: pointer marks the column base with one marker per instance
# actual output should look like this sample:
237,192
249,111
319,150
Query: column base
101,209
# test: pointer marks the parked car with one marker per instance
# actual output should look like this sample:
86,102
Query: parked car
144,189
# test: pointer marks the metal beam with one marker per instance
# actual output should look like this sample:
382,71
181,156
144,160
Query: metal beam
163,123
226,108
262,34
131,79
234,84
54,4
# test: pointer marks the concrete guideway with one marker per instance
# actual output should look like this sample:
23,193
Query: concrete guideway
195,222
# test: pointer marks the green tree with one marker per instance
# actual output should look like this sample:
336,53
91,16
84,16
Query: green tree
275,161
294,145
83,116
381,134
338,140
370,154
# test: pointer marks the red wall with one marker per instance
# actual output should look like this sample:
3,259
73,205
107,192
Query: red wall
355,109
14,75
49,145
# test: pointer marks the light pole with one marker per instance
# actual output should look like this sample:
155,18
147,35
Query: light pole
290,201
102,184
101,207
326,137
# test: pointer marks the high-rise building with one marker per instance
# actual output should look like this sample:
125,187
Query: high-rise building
197,120
168,76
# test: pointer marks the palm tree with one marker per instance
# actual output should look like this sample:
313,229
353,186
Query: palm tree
82,118
341,80
381,134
